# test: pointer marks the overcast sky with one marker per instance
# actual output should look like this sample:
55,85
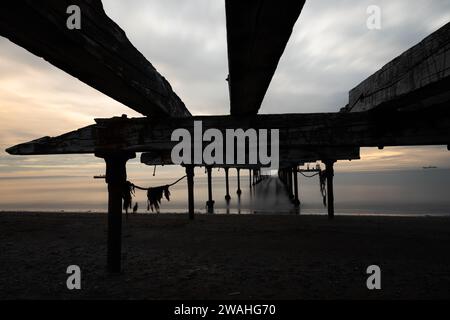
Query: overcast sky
330,52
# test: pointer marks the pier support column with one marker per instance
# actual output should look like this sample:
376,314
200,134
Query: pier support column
239,191
257,176
296,199
329,171
282,177
250,177
116,177
190,184
290,183
227,185
210,202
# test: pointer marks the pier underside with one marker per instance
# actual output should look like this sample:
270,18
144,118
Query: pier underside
405,103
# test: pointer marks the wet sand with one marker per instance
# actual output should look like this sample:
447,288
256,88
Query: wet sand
225,257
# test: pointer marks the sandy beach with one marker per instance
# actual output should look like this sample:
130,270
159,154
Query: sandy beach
225,257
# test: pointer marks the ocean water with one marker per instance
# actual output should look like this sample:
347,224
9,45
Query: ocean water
419,192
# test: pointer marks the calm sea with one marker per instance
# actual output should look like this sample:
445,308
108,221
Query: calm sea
420,192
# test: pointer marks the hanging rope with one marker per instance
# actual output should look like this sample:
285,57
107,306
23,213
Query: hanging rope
322,184
168,185
315,174
154,195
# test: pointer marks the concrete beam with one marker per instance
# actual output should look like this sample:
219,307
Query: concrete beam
257,34
313,132
417,79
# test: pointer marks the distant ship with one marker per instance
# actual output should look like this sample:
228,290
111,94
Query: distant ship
430,167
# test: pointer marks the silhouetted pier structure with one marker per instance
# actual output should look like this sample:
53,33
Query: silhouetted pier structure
404,103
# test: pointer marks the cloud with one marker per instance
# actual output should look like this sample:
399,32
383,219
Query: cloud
330,52
186,42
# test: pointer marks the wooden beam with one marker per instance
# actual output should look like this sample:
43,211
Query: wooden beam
99,54
418,78
316,132
257,34
288,157
292,157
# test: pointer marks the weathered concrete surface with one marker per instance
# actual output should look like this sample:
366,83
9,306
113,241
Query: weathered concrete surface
418,78
257,34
